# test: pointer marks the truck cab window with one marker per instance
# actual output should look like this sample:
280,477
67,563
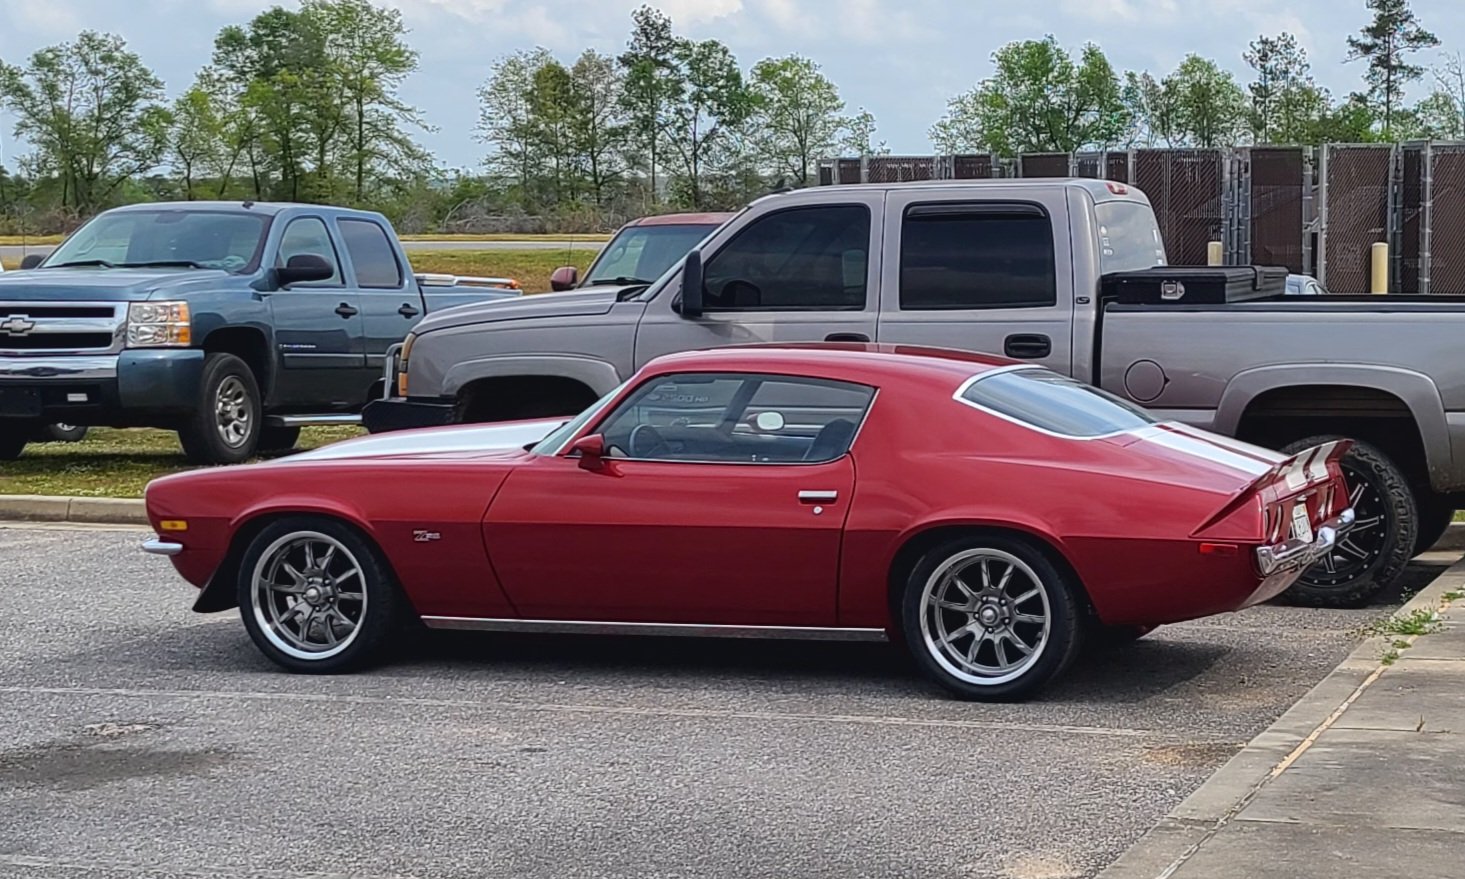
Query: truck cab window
308,235
802,259
964,257
372,255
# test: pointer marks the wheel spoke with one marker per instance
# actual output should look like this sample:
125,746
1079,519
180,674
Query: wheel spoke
354,572
999,645
951,605
1357,493
955,580
350,596
967,629
1361,525
1353,549
1006,580
1027,596
1031,618
292,612
1019,643
986,567
310,564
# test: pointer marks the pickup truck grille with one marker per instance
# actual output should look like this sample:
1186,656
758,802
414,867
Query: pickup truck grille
61,327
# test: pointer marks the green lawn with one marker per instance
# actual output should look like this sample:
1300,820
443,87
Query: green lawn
115,463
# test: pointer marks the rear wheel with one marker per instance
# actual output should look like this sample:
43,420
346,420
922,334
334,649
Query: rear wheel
1372,555
990,618
61,433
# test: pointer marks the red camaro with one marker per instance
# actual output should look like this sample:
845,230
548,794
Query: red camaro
990,514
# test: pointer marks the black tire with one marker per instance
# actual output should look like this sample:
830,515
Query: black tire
277,632
203,435
61,433
1435,516
1385,533
278,439
12,442
925,625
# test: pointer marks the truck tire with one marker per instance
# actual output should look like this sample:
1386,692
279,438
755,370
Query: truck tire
226,424
1370,557
61,433
278,439
1435,516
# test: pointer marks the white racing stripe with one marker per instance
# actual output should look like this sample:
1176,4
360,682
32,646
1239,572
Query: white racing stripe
1204,448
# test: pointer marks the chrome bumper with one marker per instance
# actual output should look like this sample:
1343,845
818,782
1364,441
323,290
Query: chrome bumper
66,367
1294,554
161,547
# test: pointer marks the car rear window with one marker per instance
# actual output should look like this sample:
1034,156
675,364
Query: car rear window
1053,403
1129,237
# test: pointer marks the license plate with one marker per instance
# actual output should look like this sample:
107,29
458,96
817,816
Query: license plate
20,402
1301,524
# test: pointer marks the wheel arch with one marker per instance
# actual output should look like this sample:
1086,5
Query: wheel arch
511,388
250,345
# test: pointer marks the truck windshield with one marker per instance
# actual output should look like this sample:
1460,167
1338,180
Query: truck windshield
641,254
1129,237
197,239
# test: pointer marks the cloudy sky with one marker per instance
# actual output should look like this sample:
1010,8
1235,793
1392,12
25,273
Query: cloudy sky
902,59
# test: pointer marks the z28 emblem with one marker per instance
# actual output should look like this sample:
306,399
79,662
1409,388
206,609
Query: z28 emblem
426,536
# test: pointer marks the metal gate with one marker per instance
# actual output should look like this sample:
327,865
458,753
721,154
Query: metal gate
1355,208
1185,189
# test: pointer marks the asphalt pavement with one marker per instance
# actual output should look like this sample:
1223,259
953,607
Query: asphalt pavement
12,254
139,739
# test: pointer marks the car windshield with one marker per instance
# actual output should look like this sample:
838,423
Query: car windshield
1053,403
556,442
641,254
183,239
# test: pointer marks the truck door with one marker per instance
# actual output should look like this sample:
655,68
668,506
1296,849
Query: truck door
989,272
318,328
793,273
391,301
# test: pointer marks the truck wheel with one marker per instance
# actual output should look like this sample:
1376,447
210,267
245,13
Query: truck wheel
278,439
225,426
1435,516
61,433
1372,555
12,443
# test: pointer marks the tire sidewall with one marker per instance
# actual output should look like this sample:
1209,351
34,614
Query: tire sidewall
1065,626
201,438
384,603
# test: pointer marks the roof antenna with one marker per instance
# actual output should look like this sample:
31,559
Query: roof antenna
248,204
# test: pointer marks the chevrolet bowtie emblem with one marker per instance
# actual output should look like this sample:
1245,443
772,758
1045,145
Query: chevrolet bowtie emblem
17,325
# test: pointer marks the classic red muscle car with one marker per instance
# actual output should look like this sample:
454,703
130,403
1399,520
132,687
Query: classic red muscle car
990,514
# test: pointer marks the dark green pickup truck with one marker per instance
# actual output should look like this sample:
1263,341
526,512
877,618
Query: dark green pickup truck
232,323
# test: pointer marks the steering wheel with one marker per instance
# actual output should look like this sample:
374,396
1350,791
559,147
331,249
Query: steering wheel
646,442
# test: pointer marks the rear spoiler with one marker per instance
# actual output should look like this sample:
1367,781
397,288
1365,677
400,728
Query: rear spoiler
1309,469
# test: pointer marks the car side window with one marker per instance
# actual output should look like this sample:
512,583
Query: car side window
372,255
966,256
737,419
801,259
309,236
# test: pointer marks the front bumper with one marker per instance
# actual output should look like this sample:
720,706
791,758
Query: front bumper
1297,554
116,389
384,416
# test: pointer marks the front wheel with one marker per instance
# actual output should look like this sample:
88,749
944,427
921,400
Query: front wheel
316,597
990,618
1370,557
226,424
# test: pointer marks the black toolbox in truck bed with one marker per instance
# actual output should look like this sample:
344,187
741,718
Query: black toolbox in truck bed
1194,285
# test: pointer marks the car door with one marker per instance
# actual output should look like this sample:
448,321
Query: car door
318,327
799,273
391,302
989,274
704,512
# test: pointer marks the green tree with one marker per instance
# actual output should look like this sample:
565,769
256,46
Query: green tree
507,120
797,116
1153,112
859,135
1039,100
1282,89
597,126
1209,107
195,139
710,106
91,111
654,81
1442,113
1386,44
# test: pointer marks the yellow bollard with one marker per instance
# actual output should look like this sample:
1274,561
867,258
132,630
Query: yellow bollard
1379,278
1215,253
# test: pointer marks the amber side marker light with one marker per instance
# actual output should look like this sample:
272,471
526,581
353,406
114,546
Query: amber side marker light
1220,549
172,525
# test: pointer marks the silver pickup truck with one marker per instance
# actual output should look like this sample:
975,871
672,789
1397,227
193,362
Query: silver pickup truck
1011,267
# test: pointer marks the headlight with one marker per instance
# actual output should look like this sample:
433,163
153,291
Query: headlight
159,325
402,364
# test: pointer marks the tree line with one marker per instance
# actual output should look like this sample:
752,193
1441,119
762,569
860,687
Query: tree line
304,105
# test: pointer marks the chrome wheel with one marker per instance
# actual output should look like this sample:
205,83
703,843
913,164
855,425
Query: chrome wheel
232,415
1356,553
308,594
985,616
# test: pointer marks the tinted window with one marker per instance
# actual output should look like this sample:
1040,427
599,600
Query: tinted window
801,259
372,254
1129,238
211,239
644,253
1055,403
308,235
951,257
743,419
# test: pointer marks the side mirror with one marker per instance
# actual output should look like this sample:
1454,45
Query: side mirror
32,260
564,278
303,268
693,285
591,451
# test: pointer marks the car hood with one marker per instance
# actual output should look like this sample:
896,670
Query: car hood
577,303
463,441
99,284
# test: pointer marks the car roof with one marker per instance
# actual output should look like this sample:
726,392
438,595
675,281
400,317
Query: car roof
264,208
704,219
865,362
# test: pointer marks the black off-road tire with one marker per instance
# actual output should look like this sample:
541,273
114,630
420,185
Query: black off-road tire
1054,654
201,435
1389,550
383,615
1435,516
278,439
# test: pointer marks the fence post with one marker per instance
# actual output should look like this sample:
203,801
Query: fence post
1379,278
1426,218
1215,253
1321,255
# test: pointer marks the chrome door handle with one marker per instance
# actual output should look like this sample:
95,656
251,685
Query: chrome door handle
818,497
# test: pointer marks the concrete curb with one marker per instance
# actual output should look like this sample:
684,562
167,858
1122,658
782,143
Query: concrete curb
1224,795
81,510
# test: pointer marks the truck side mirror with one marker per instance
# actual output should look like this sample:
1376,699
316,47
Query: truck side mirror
693,285
32,260
564,278
303,268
